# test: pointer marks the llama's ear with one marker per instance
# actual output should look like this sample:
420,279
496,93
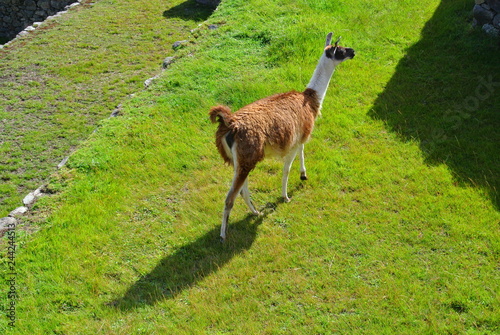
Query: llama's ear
337,42
328,39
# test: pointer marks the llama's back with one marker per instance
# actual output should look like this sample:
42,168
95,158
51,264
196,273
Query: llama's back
270,126
277,123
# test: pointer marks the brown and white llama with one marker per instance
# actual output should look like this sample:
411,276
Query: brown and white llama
278,125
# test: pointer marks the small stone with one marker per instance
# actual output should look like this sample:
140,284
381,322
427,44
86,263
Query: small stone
30,5
29,199
63,162
178,44
18,211
44,5
491,31
213,26
149,81
495,5
38,192
167,61
486,6
482,15
7,223
29,28
33,196
117,110
496,21
23,33
41,13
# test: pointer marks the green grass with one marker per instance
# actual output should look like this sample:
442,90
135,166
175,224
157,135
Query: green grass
395,232
57,83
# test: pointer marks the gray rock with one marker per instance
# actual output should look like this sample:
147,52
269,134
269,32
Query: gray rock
179,44
18,211
496,21
7,223
41,13
44,4
482,15
491,30
494,4
23,33
167,61
55,4
63,162
29,199
116,111
149,81
32,197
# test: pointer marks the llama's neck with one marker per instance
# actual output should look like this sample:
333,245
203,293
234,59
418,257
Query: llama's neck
321,77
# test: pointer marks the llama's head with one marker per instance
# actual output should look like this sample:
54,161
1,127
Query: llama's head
337,53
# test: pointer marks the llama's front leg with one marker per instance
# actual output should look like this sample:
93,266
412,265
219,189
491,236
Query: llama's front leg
286,170
303,175
245,193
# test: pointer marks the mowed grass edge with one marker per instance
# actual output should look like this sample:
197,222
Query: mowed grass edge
377,241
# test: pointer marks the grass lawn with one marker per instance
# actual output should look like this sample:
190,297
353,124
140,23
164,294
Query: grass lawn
60,81
395,232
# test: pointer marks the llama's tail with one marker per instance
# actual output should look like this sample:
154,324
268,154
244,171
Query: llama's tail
224,136
222,114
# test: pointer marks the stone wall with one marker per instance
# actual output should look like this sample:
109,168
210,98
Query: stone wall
487,15
15,15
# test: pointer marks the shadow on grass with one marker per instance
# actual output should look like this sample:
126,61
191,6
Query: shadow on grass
190,264
445,94
189,10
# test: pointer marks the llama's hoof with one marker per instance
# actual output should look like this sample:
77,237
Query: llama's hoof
256,213
303,177
286,199
222,239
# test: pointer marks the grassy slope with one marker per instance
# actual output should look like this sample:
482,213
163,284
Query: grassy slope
57,83
379,240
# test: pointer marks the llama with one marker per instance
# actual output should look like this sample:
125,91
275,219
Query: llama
278,125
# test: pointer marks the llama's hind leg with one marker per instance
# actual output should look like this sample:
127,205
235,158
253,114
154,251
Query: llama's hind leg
303,175
238,180
245,193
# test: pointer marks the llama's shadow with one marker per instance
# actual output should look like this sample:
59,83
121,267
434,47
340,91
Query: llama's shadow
194,261
190,264
445,94
189,10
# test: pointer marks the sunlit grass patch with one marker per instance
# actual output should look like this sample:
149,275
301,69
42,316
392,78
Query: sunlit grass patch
380,239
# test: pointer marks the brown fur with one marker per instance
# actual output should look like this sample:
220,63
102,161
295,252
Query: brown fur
271,125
